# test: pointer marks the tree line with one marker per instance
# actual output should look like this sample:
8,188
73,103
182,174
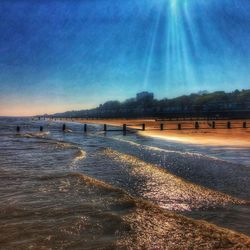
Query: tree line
218,104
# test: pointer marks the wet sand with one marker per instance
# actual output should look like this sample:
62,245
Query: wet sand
237,136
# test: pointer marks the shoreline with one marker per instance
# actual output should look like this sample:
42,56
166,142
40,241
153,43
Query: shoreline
221,136
218,137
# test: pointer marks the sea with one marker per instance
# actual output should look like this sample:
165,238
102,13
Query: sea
106,190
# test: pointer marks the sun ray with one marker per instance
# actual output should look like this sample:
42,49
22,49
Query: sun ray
151,49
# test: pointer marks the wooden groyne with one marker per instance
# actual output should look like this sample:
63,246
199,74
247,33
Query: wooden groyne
154,125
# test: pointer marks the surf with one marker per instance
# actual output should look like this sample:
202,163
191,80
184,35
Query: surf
170,191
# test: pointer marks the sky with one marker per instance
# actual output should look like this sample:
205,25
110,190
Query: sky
59,55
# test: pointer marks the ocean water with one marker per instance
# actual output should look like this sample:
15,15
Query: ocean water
96,190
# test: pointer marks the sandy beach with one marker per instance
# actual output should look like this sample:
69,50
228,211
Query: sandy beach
237,136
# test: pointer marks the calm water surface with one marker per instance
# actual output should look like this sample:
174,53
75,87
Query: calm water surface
108,191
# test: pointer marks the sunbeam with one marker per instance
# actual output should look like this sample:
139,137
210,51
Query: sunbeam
176,43
195,49
151,49
179,68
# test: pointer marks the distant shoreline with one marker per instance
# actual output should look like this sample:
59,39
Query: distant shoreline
201,105
237,136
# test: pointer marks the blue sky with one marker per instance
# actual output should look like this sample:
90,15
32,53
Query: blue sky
61,55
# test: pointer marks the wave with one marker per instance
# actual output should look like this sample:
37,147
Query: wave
98,183
80,155
42,135
68,131
35,134
197,155
64,145
169,191
157,229
144,225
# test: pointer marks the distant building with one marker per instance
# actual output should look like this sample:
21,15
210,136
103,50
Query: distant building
203,92
142,96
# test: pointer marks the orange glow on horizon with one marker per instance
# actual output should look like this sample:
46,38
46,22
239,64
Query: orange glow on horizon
30,109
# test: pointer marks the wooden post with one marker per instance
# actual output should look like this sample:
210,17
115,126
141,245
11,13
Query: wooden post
197,126
162,126
213,125
143,127
179,126
229,125
105,127
124,128
244,125
63,127
85,128
18,129
41,128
